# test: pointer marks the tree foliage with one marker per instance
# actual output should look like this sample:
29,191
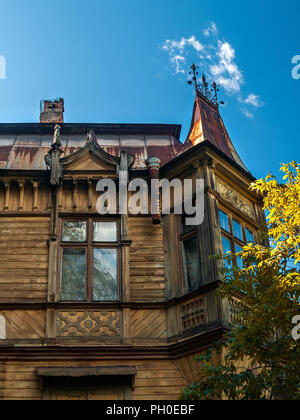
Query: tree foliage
260,357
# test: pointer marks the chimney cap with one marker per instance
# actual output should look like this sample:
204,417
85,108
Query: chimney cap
51,102
52,110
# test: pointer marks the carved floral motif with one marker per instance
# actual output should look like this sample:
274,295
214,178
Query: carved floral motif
74,324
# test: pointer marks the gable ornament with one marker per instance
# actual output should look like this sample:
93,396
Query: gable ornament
52,158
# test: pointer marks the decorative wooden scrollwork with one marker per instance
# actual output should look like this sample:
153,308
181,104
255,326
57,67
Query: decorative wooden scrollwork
94,324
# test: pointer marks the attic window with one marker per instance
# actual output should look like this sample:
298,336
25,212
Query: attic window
89,260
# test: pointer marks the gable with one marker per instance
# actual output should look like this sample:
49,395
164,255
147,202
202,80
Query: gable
89,162
90,157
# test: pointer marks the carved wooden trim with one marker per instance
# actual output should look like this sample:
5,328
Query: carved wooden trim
88,323
35,185
234,198
93,147
125,273
202,340
75,193
193,313
90,193
7,194
21,184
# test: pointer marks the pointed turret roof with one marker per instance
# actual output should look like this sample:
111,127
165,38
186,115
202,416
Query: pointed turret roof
207,123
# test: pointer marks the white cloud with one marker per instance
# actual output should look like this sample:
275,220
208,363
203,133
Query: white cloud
215,57
177,60
171,46
247,113
225,71
254,100
176,49
210,30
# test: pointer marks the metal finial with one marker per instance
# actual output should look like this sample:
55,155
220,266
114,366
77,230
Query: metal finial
202,89
215,91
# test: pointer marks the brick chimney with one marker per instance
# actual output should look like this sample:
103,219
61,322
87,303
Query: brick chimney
52,111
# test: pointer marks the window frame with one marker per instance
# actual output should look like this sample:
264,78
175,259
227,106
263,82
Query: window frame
89,245
233,240
184,236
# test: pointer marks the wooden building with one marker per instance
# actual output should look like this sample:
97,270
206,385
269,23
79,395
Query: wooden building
113,307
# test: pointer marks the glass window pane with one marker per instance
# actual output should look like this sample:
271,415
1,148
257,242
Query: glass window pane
224,221
105,275
226,245
237,230
249,236
105,231
239,259
226,248
73,275
191,264
74,232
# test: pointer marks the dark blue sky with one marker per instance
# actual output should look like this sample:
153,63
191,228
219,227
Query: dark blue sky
111,63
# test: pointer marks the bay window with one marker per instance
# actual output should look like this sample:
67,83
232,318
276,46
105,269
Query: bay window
235,235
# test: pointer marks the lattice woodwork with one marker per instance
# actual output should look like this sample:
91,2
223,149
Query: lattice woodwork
193,313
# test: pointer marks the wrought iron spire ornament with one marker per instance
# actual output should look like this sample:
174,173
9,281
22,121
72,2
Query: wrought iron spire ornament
202,89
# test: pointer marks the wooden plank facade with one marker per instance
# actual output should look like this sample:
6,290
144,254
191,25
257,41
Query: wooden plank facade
163,314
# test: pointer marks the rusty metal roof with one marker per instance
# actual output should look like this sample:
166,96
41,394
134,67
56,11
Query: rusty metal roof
26,148
207,125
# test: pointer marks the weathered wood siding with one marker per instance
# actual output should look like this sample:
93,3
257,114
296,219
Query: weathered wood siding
23,258
155,380
146,256
24,324
190,368
149,324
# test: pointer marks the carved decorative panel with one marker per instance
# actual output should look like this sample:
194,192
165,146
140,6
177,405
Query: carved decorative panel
236,199
193,313
88,323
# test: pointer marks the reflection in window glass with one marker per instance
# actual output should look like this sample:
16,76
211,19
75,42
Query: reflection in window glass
105,275
73,275
237,230
238,259
249,236
226,249
224,221
74,231
226,245
105,231
191,264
